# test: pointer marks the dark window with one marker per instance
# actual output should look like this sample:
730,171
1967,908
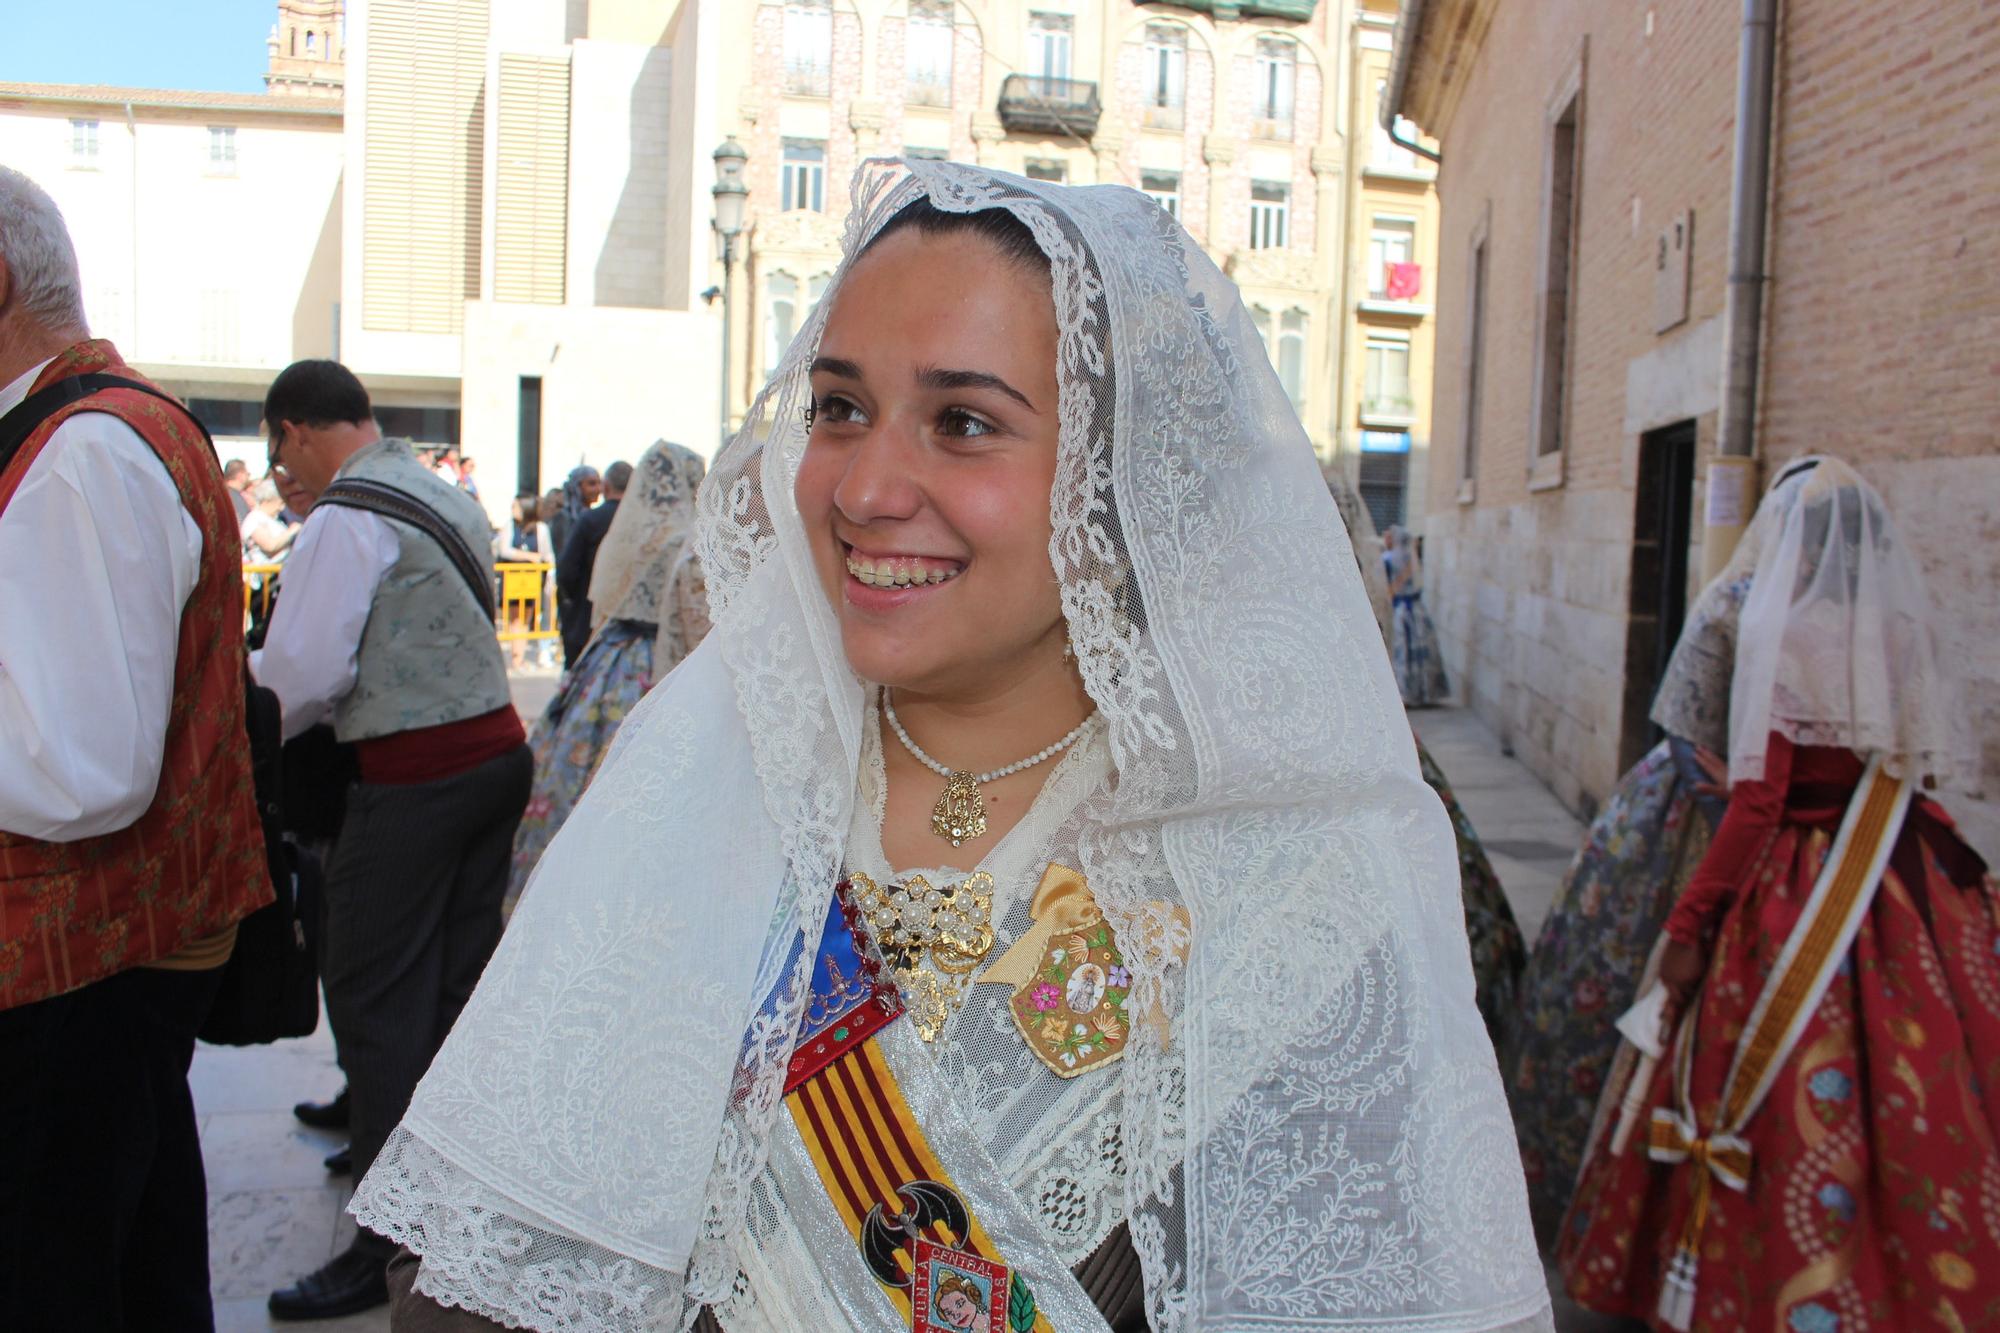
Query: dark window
1384,482
228,416
423,425
528,436
1662,527
1559,289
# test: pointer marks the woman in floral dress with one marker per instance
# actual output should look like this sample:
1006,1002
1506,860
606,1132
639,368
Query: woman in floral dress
651,610
1856,1187
1636,858
1413,642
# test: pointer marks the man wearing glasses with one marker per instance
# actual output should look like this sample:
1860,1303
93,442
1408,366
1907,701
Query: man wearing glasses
384,631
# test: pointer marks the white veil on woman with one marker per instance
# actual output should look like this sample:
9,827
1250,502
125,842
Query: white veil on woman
1836,645
649,544
1315,1137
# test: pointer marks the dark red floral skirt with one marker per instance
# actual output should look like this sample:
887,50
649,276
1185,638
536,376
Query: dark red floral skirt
1874,1195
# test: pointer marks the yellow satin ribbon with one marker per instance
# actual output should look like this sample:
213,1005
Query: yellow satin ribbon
1062,903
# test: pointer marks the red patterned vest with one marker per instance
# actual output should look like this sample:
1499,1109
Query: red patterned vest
75,912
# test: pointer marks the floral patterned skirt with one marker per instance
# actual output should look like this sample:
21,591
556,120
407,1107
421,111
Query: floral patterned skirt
606,683
1874,1195
1497,951
1585,970
1414,652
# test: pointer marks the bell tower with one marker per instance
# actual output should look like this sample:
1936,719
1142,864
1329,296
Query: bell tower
308,49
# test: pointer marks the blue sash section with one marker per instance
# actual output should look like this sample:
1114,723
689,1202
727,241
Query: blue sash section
838,981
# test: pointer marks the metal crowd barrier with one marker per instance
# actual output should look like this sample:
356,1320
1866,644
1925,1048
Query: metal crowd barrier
525,608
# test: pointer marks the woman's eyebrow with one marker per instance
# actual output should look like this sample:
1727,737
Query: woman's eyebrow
833,365
932,377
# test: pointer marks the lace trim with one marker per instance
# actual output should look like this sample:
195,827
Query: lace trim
480,1254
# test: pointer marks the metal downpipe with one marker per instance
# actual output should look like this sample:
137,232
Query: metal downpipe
1732,491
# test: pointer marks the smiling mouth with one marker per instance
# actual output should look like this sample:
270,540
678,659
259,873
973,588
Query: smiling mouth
900,571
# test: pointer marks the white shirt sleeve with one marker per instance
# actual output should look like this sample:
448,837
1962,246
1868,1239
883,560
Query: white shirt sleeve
310,652
97,558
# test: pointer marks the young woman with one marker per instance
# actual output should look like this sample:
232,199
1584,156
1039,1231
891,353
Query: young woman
1029,878
651,610
1597,943
1413,645
1819,1153
526,540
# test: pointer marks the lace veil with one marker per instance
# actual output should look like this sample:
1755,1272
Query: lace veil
648,536
1692,700
1836,645
1316,1138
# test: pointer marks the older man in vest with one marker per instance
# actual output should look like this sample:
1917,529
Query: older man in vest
385,628
129,839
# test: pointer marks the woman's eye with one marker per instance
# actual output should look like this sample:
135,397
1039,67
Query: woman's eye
833,407
959,422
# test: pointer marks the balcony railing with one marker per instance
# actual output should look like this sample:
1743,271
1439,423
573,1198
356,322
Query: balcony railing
1032,104
1388,409
1256,9
808,78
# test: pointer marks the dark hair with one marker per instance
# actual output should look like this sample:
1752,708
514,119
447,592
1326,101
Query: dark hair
997,225
316,393
618,476
235,468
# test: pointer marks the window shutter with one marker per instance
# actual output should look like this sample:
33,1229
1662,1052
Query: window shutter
425,103
531,189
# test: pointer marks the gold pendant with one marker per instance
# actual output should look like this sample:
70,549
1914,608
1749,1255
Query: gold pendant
961,812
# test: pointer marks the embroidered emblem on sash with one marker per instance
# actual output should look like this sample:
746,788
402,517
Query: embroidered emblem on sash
1069,977
958,1292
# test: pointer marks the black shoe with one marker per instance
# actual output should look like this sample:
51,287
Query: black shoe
324,1115
352,1281
340,1162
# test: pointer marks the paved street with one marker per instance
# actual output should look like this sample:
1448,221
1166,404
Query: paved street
274,1214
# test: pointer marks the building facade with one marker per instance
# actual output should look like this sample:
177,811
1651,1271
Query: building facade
207,229
1383,442
518,198
1240,119
1586,190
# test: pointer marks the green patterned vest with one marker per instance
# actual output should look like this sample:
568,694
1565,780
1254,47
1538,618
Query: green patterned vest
428,654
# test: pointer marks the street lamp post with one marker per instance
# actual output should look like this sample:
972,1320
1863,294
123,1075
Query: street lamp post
730,196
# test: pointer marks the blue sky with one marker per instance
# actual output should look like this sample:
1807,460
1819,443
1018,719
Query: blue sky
211,45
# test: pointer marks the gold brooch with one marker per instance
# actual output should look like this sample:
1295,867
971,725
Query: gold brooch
931,938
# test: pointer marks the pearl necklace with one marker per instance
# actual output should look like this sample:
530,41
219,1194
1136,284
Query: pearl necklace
961,812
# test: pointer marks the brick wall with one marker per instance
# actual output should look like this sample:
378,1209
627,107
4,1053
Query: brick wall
1880,327
1531,588
1887,231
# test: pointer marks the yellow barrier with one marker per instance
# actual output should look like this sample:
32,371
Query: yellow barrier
525,589
259,586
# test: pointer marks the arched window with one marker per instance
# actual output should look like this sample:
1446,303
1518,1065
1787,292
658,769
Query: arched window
927,43
1271,93
809,48
1166,75
1292,357
781,317
312,43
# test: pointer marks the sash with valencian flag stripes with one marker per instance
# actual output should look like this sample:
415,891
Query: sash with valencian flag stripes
915,1230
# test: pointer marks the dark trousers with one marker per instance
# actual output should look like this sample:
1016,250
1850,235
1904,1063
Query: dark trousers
412,915
103,1204
573,624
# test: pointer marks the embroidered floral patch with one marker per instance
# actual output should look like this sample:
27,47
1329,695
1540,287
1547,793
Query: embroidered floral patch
1073,1011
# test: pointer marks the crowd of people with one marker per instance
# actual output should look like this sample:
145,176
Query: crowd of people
1018,910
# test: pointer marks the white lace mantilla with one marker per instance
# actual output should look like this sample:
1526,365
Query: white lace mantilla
1316,1140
